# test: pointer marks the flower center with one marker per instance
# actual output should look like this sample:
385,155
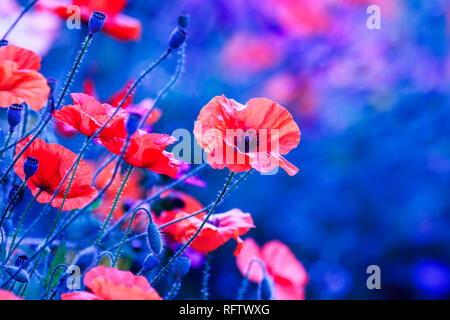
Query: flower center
247,142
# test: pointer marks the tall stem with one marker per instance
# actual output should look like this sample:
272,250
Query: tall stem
24,11
114,206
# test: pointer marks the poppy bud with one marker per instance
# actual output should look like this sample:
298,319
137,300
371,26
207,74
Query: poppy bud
150,262
96,22
183,20
30,167
86,258
134,119
14,115
265,289
22,276
177,38
154,239
12,191
20,261
3,43
181,266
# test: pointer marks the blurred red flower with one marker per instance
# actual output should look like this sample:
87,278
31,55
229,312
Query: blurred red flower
87,115
288,274
130,193
218,230
54,163
117,25
113,284
8,295
146,150
242,137
20,80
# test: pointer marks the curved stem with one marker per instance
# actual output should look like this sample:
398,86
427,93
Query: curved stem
172,260
233,186
125,236
103,167
52,277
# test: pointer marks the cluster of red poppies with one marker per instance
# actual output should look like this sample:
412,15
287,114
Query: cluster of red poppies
20,81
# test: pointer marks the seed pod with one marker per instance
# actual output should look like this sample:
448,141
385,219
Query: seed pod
14,115
30,166
96,22
154,239
22,276
177,38
3,43
150,262
20,261
86,258
181,266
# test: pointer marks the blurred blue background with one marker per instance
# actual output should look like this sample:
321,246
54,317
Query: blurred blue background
372,106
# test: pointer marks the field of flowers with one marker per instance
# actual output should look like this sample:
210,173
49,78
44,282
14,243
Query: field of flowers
228,149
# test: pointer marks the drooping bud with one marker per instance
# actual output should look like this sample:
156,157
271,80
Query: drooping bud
20,261
150,262
181,266
14,115
133,121
12,192
30,166
22,276
265,289
86,258
177,38
183,20
154,239
96,22
3,43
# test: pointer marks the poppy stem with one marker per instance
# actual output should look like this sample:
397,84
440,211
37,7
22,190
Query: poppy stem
12,201
174,289
24,11
103,167
211,211
52,278
22,219
10,134
125,236
205,279
114,206
25,122
169,85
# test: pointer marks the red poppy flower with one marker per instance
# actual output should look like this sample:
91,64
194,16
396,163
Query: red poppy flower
113,284
87,115
54,162
242,137
8,295
289,276
218,230
20,80
117,25
146,150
